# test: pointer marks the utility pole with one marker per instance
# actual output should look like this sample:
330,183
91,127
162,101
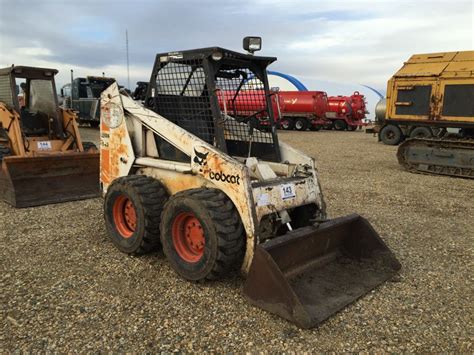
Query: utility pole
128,63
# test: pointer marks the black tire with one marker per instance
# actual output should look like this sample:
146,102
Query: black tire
95,124
340,125
351,128
4,151
301,124
287,123
218,225
421,132
329,126
147,197
89,146
391,135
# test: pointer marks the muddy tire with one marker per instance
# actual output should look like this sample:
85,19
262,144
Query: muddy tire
202,234
301,124
4,151
391,135
287,123
89,146
340,125
421,132
132,208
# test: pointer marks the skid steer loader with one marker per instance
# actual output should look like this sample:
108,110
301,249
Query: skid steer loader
217,193
43,159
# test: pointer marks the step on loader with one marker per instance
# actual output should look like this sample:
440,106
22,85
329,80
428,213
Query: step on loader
216,193
43,159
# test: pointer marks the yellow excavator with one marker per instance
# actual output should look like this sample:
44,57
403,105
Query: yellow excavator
43,159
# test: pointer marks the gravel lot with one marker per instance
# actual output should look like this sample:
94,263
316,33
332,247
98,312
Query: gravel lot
64,287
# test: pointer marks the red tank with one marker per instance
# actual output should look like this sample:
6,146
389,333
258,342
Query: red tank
358,104
309,103
346,112
247,103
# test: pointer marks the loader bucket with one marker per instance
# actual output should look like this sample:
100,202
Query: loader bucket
309,274
34,181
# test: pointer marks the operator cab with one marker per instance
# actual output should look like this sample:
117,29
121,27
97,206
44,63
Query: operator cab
219,95
36,101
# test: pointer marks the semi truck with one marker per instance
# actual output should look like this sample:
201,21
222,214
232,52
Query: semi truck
83,96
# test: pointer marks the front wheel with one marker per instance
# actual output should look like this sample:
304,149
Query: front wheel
391,135
132,210
201,234
340,125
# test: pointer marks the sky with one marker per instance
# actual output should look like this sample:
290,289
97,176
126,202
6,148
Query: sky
322,43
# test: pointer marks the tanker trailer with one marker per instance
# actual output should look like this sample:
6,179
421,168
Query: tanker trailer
301,110
249,105
359,107
346,112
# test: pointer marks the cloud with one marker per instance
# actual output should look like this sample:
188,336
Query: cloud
337,41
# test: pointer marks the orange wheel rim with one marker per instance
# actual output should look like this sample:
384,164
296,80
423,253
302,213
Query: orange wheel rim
188,237
125,216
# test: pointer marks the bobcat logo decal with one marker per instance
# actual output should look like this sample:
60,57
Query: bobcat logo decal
200,158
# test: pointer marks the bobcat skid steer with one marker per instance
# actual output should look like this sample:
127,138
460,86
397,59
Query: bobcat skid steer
43,159
217,194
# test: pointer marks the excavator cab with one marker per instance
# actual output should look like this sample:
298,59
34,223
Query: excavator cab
43,157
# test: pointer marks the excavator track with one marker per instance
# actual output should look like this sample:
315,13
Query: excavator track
450,156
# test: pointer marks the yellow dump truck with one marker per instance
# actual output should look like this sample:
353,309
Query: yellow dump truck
430,93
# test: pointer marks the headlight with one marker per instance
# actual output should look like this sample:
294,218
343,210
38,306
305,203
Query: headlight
217,56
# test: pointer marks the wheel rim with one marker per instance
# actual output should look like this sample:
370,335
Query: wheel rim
299,124
188,237
125,216
390,135
285,124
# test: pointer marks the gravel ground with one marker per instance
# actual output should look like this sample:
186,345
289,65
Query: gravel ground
66,288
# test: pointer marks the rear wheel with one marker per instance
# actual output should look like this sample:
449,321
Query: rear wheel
421,132
391,135
329,126
340,125
201,234
287,123
4,151
301,124
89,146
132,209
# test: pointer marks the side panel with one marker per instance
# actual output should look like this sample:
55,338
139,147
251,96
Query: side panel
411,100
457,100
116,150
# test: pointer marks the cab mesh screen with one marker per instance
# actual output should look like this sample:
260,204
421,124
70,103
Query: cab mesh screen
229,101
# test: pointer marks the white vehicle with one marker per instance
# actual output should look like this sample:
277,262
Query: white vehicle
218,194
